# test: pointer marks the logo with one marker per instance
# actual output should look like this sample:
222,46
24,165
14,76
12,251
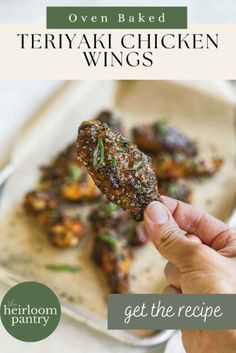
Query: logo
30,311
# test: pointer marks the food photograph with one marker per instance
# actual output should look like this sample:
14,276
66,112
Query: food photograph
81,167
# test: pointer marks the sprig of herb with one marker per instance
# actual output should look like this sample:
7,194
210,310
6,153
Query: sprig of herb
108,239
98,155
160,127
123,149
74,172
108,209
125,146
113,160
63,267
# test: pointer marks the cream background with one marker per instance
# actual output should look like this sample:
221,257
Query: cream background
71,64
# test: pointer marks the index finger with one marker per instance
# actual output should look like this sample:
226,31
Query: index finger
195,221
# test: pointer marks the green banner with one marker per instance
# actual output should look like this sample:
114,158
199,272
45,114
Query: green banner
116,17
168,311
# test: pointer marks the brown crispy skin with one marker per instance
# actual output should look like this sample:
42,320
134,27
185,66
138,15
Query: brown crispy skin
69,179
173,166
63,230
121,171
160,136
39,200
114,259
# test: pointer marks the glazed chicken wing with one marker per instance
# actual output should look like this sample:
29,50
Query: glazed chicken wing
173,166
62,230
112,254
60,166
114,232
71,180
39,200
121,171
81,188
162,137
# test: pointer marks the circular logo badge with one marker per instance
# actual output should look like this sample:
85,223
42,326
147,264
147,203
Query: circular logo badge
30,311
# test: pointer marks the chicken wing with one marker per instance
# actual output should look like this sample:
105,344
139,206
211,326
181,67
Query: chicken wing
121,171
113,255
162,137
39,200
62,230
68,178
178,165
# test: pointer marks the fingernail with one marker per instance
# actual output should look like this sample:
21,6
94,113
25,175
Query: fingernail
157,213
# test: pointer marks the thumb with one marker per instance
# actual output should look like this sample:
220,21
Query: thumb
168,238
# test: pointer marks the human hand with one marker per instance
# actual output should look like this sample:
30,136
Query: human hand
201,251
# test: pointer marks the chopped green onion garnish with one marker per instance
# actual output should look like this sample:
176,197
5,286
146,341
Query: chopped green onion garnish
125,146
108,239
161,128
63,267
108,210
113,160
74,172
123,149
98,155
